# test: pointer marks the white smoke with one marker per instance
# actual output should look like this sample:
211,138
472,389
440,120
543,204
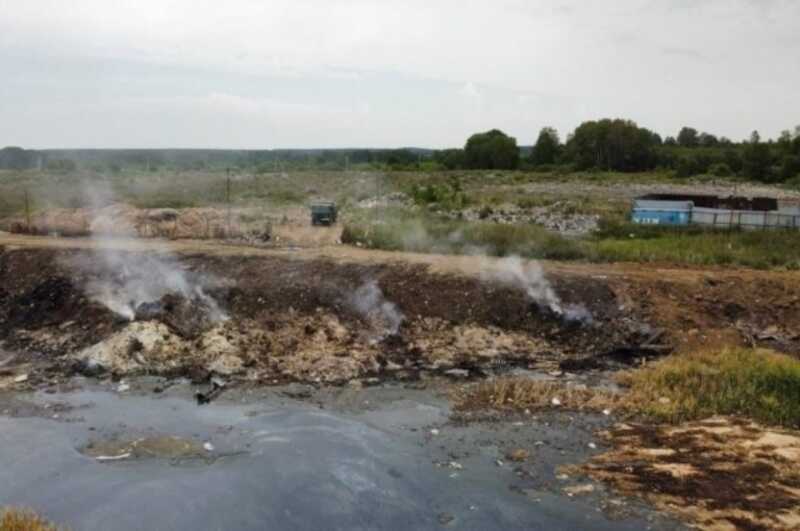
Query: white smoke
125,280
370,302
530,277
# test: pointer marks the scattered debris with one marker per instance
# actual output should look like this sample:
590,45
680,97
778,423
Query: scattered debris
719,473
574,490
126,455
217,386
446,518
519,455
159,446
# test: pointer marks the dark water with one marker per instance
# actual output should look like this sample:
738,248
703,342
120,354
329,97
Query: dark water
275,465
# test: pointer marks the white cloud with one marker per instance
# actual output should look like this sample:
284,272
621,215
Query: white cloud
720,65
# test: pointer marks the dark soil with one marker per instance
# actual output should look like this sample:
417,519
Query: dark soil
42,297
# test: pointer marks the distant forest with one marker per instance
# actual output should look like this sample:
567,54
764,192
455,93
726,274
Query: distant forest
604,145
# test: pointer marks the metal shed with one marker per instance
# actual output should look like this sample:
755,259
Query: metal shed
654,212
674,212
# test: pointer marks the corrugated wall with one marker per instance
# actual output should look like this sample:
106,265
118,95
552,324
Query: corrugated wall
648,211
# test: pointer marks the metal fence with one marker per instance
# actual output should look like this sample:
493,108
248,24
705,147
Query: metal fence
655,212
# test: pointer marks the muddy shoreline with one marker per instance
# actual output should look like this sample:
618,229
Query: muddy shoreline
294,338
385,457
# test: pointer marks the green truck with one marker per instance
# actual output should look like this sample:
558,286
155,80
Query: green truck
323,213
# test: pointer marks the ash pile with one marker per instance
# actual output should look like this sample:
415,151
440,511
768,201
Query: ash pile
188,317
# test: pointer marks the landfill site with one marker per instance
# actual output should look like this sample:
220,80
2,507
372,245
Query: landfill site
303,380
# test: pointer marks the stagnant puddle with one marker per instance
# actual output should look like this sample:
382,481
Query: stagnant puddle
379,458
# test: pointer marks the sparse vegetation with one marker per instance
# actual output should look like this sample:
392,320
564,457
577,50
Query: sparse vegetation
12,519
699,246
425,234
621,242
759,384
426,218
519,394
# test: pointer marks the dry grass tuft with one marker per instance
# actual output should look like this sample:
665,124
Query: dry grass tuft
759,384
13,519
519,394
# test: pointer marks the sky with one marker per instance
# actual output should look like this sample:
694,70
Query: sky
265,74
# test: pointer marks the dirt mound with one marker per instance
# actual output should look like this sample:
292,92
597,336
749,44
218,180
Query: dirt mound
123,220
187,317
300,319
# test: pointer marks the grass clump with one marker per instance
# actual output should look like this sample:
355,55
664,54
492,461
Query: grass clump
519,394
457,237
760,384
12,519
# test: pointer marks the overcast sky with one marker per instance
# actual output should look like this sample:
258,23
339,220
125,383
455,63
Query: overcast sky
328,73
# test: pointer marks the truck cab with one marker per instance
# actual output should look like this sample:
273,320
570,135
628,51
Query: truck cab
323,213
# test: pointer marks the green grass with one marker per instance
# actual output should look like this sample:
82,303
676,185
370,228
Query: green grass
620,243
697,246
455,237
759,384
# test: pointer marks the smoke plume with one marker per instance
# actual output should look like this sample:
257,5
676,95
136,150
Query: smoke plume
123,281
530,277
370,302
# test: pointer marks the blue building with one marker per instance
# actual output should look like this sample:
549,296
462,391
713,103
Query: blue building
654,212
714,211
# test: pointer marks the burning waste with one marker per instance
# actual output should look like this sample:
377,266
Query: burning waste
371,303
529,277
141,286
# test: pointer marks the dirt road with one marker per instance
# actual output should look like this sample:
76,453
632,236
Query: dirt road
437,263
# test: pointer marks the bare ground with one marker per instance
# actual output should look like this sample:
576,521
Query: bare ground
720,473
291,319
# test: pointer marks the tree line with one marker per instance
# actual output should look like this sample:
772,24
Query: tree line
604,145
622,146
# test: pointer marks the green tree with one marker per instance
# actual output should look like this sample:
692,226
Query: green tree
547,147
16,158
707,140
688,137
618,145
790,167
492,150
450,158
757,159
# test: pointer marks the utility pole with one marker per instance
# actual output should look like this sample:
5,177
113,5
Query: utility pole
28,210
228,200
